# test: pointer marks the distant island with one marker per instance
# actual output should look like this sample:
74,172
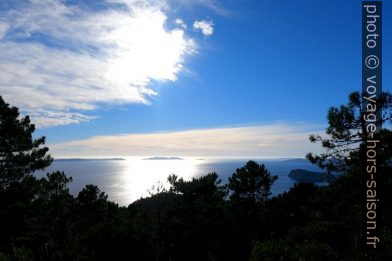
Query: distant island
307,176
296,160
84,159
164,158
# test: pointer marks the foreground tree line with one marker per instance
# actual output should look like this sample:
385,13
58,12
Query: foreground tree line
198,220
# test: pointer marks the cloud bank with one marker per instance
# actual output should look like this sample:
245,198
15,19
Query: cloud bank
60,62
274,140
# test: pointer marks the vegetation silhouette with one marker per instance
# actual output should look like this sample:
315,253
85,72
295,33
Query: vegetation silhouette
200,219
347,131
20,154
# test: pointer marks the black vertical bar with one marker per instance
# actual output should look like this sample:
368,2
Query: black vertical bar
371,125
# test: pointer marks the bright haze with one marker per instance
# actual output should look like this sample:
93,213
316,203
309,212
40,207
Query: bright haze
179,77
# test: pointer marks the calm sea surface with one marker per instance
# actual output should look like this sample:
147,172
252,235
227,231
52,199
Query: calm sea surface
125,181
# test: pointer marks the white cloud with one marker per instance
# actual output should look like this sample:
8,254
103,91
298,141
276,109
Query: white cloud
206,27
181,23
62,61
214,5
52,118
3,29
274,140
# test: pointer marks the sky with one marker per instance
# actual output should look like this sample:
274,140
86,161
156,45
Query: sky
182,78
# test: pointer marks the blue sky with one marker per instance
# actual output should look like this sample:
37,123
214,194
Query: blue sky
238,73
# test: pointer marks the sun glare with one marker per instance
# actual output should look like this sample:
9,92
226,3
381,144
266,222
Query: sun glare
140,175
146,50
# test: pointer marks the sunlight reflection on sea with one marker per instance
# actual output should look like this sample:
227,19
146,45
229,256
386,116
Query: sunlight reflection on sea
125,181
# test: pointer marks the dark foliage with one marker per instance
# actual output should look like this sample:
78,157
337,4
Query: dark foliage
346,131
193,220
20,154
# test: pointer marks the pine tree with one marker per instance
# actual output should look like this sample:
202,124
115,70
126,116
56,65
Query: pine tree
346,132
251,182
20,153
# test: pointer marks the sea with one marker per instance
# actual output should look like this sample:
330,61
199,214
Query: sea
126,180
